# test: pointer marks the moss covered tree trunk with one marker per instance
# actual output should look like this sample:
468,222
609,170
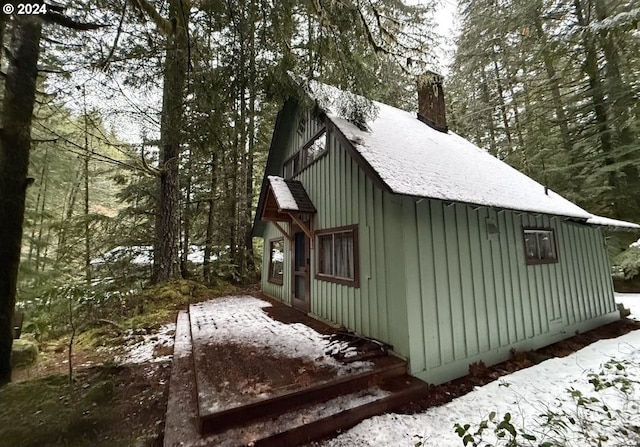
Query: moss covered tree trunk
15,144
167,231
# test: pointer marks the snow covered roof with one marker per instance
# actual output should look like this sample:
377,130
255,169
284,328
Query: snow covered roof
608,222
290,195
413,159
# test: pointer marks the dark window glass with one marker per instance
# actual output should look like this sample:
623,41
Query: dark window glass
540,246
276,260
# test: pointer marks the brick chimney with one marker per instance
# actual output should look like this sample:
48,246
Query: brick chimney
431,101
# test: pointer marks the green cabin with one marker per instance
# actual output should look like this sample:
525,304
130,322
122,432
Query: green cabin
390,225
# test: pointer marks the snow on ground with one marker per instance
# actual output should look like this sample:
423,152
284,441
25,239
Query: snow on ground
526,394
146,347
242,320
632,302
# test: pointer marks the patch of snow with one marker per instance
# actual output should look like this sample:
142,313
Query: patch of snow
416,160
283,195
526,394
144,351
142,255
242,320
630,301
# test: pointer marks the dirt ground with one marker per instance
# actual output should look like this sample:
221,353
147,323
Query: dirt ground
125,405
107,405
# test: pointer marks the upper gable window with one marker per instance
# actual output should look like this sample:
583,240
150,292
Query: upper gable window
309,153
302,125
540,246
315,148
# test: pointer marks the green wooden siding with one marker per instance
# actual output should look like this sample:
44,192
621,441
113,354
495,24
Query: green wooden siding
472,297
344,195
434,282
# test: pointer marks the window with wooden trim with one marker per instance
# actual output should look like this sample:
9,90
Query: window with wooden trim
309,153
539,246
337,255
276,260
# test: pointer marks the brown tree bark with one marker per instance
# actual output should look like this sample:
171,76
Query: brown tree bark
596,91
15,144
208,247
167,227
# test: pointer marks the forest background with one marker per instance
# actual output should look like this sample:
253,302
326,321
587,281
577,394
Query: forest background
142,155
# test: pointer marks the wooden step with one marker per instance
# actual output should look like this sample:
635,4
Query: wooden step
221,420
287,420
320,420
181,423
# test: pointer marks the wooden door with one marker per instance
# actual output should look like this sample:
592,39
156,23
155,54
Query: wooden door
301,271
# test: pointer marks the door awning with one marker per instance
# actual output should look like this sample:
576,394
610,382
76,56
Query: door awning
287,201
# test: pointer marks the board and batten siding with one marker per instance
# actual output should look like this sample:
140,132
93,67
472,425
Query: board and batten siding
344,195
473,298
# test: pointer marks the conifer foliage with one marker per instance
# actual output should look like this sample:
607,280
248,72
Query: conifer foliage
551,87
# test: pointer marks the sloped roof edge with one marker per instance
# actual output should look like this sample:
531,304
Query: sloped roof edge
602,221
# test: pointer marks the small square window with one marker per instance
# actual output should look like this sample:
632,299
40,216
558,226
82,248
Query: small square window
539,246
276,260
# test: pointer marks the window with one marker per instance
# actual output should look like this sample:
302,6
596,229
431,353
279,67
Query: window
276,260
309,153
338,255
302,124
539,246
313,150
292,166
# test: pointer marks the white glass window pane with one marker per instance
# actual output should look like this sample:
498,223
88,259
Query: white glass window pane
344,255
545,242
277,259
531,245
317,148
326,254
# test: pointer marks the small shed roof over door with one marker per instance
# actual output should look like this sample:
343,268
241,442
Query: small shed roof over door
287,201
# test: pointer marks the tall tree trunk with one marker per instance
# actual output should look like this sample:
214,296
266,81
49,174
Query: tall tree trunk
15,144
554,86
40,199
208,247
40,244
67,213
248,237
87,235
596,91
186,221
167,227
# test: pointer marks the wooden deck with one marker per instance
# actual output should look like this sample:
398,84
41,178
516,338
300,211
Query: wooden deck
237,394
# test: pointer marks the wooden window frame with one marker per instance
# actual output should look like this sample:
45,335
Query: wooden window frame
301,155
270,278
540,261
355,282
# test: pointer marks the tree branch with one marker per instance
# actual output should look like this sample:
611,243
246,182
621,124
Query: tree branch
62,20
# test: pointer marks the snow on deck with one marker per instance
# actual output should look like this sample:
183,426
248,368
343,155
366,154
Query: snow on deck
526,394
414,159
241,319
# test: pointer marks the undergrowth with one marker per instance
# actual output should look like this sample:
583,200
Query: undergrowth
607,413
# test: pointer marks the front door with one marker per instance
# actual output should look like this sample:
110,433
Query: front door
301,271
